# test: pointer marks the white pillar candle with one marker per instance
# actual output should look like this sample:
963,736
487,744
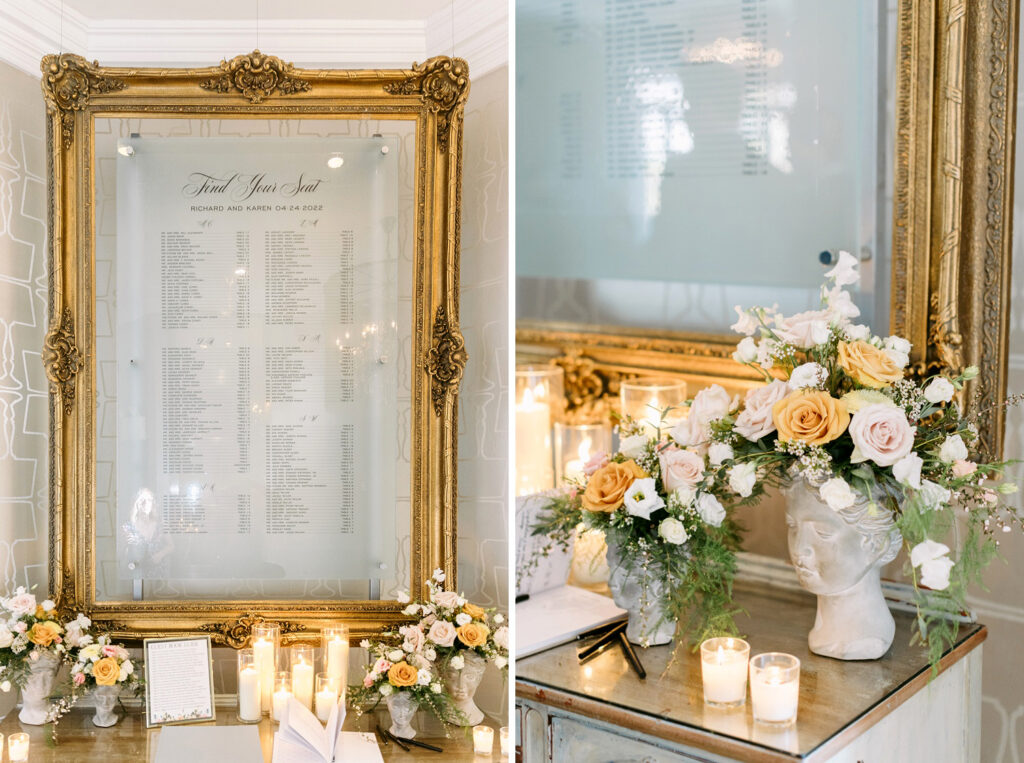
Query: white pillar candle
302,683
337,659
775,688
266,664
503,737
724,671
326,699
281,697
249,694
534,465
483,740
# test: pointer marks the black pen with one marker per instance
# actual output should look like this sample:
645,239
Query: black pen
607,637
381,739
601,629
424,745
631,655
396,740
522,597
597,649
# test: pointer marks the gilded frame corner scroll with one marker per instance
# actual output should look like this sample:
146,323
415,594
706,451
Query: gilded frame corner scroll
955,114
433,96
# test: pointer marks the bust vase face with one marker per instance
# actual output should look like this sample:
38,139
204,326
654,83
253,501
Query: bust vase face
462,684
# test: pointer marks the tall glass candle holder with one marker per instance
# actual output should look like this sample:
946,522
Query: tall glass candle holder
334,640
723,663
266,641
645,400
327,689
249,695
775,688
539,402
282,693
303,671
576,444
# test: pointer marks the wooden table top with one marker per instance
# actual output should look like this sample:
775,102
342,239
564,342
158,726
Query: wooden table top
131,742
839,700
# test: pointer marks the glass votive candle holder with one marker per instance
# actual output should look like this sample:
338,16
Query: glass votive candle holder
503,738
17,747
723,663
775,688
302,665
654,401
576,444
266,641
335,645
539,403
326,695
249,694
483,740
282,693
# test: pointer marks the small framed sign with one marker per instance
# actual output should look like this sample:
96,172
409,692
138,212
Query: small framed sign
179,680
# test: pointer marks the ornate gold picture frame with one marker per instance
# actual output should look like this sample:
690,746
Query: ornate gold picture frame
430,95
956,68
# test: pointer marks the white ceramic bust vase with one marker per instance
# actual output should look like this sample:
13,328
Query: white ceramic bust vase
641,594
839,556
462,684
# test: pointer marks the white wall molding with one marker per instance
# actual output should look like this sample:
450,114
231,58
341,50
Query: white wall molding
30,30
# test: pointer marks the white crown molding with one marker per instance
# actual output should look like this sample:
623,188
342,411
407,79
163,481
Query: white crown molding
30,30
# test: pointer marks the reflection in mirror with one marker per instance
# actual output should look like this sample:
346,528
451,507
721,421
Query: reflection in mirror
685,157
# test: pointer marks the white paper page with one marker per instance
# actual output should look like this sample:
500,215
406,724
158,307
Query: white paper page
534,572
554,617
302,726
357,747
288,750
179,680
334,723
209,744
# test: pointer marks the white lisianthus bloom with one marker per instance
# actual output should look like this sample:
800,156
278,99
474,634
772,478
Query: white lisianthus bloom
403,597
935,565
499,618
438,575
436,688
934,495
805,330
845,272
126,670
710,510
463,619
858,332
673,531
423,677
953,449
840,304
711,403
901,359
808,375
897,343
412,609
458,662
642,498
6,637
633,446
939,390
747,323
719,452
48,604
685,494
742,479
385,690
838,494
907,470
746,351
396,655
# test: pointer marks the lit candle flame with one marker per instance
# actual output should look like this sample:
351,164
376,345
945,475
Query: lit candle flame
583,451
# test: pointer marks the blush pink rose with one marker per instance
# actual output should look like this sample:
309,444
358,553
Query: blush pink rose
680,468
109,650
22,604
447,599
881,433
755,420
367,681
962,467
414,639
710,403
805,330
596,462
442,633
79,679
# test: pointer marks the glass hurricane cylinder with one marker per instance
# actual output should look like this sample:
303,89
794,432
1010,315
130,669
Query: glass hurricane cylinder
775,688
303,671
539,402
282,693
249,695
334,641
723,663
576,444
327,689
266,642
645,400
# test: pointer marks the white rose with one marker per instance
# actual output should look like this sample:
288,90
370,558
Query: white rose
897,344
840,304
901,359
710,510
633,446
385,689
755,420
858,332
907,470
126,670
458,662
742,478
719,452
396,655
685,494
808,375
838,494
6,637
499,618
939,390
423,677
642,498
845,271
710,403
462,619
935,565
501,636
673,531
953,449
805,330
747,323
880,433
746,351
934,495
690,432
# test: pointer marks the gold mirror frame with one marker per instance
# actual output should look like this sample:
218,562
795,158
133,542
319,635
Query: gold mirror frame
952,216
433,94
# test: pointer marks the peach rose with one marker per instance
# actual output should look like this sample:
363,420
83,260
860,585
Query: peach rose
608,485
868,365
473,634
755,420
44,633
402,674
810,416
106,671
680,468
477,613
881,433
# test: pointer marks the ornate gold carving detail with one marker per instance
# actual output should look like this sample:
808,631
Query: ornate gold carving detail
591,394
63,360
68,82
256,76
446,359
238,634
443,85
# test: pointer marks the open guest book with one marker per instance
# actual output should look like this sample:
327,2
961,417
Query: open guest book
553,612
302,739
